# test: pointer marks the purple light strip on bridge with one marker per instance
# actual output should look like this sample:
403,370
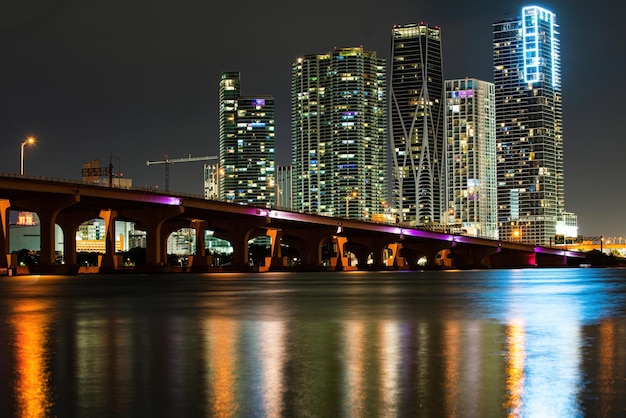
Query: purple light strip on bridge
286,215
553,251
164,200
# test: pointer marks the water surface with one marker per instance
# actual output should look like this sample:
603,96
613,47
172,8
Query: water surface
484,343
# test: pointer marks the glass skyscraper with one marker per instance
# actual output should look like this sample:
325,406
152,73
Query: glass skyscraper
338,133
471,158
416,126
246,126
529,131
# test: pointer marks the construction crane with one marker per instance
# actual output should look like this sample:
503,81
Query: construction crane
167,162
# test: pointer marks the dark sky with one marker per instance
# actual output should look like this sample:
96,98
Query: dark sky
137,79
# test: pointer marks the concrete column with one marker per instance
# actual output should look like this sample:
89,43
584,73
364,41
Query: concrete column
200,260
4,233
69,223
108,259
309,244
47,210
152,221
238,233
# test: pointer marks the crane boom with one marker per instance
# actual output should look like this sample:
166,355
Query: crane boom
167,161
182,160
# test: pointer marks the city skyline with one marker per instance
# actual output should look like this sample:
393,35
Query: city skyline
93,82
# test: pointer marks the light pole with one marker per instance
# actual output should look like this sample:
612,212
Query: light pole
29,140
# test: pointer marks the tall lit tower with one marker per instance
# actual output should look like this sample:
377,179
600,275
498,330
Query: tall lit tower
416,112
529,126
338,133
246,147
471,157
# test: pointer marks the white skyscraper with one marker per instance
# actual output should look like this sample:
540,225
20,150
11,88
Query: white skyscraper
471,157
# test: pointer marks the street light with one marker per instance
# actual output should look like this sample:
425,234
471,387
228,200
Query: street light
29,140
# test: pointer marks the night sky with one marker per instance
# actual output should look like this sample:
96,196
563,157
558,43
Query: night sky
138,79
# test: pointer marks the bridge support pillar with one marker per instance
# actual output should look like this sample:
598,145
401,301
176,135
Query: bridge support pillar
47,210
108,259
4,233
309,244
340,261
394,258
69,223
238,234
199,261
153,220
275,259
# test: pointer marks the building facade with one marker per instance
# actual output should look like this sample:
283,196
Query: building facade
212,177
284,187
246,147
529,127
416,115
471,158
338,133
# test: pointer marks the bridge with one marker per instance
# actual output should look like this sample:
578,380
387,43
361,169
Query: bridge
68,204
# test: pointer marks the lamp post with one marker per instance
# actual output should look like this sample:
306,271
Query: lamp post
29,140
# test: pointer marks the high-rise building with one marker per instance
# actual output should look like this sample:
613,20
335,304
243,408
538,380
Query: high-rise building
246,125
212,177
471,158
529,127
416,126
284,187
338,133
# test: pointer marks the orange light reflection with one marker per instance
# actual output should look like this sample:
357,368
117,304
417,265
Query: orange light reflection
222,336
515,363
451,366
33,394
354,336
273,359
391,358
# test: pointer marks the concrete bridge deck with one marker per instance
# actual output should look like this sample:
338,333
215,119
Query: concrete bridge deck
68,204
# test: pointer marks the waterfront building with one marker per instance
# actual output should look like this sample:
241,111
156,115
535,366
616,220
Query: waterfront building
416,114
284,187
471,158
212,176
338,133
529,127
246,146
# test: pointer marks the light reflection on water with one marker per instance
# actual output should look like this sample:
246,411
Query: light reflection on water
32,373
518,343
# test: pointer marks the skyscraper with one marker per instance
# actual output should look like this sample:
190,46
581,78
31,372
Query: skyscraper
529,131
338,133
246,125
471,157
417,123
